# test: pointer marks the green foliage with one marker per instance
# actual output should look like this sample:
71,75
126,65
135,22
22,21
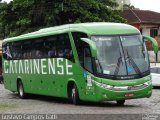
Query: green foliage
125,6
22,16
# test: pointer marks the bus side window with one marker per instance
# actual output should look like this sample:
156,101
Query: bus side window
88,59
51,51
50,46
27,47
17,51
13,51
37,51
9,55
79,45
83,51
4,51
64,49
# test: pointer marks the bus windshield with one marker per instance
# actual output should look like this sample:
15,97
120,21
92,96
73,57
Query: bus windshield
121,55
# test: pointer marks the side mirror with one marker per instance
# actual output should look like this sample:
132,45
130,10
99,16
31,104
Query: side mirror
154,45
92,46
153,42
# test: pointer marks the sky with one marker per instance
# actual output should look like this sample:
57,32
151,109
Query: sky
7,0
153,5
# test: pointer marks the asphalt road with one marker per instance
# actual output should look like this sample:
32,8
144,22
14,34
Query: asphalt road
10,103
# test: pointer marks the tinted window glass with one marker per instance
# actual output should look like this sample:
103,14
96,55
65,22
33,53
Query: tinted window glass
6,51
64,49
17,50
158,71
79,45
37,50
50,46
87,59
46,47
27,48
83,51
153,70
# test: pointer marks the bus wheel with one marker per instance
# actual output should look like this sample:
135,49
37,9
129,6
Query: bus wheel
120,102
21,90
74,95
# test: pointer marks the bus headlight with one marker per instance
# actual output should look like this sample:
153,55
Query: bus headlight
148,83
105,86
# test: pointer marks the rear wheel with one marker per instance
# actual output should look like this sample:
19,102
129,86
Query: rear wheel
74,95
120,102
21,90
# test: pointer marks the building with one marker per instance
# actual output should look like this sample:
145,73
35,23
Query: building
148,22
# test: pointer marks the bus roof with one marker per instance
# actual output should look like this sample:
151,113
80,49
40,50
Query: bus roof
95,28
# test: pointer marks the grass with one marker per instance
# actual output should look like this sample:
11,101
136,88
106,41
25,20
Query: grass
7,106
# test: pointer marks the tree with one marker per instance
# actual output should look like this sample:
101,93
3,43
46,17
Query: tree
126,6
18,17
3,19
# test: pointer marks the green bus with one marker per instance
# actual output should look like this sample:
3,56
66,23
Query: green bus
82,62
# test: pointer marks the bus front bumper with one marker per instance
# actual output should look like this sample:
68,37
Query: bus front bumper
112,95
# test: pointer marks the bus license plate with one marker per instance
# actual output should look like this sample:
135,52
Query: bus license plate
129,95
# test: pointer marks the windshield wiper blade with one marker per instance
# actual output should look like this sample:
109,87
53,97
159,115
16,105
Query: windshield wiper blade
100,66
118,64
136,68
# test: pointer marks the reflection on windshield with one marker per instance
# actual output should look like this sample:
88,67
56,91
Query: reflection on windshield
121,55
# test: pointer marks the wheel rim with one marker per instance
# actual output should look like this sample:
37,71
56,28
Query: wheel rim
20,90
73,93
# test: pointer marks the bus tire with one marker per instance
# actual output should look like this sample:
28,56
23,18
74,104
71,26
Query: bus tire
74,95
120,102
21,92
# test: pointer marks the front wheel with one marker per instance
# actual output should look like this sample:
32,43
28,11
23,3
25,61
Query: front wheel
120,102
21,90
75,95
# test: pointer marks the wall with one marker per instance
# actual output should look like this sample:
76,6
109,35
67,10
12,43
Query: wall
146,31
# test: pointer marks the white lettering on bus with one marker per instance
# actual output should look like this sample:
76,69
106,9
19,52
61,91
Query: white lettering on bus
58,66
61,72
51,66
36,66
6,66
43,66
67,68
20,67
15,65
11,67
31,66
26,64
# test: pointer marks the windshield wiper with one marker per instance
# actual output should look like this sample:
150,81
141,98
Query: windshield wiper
100,66
131,61
118,64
